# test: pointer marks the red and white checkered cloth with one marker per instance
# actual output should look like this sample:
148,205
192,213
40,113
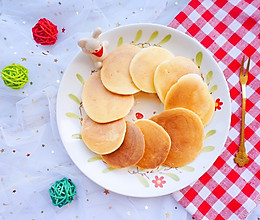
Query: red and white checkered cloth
229,30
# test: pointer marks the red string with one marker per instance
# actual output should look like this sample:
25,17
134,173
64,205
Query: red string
45,32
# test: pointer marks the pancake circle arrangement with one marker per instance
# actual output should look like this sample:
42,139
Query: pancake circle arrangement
172,138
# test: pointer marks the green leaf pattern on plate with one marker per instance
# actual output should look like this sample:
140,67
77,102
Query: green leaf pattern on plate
153,36
92,159
74,98
80,78
199,57
120,42
207,149
173,176
108,169
210,133
187,168
213,89
165,39
142,180
72,115
76,136
209,76
138,36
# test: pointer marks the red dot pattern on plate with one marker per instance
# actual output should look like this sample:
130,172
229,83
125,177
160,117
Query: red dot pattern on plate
139,115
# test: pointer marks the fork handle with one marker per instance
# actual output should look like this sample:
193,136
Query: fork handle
242,138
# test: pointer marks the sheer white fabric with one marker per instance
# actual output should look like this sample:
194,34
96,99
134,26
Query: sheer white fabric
32,156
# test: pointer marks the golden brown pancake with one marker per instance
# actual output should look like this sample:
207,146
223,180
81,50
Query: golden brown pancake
103,138
186,131
115,74
102,105
143,66
168,72
192,93
131,150
157,144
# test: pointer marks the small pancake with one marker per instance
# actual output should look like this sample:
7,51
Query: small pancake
168,72
103,138
157,144
192,93
186,131
143,66
115,74
131,150
102,105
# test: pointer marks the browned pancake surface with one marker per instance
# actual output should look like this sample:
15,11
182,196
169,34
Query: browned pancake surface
192,93
157,144
186,132
131,150
103,138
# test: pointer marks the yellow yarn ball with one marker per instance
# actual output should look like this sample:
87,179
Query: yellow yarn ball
15,76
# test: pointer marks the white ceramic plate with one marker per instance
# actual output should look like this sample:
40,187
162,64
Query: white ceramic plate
133,181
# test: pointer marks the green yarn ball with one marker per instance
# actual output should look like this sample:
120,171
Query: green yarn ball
62,192
15,76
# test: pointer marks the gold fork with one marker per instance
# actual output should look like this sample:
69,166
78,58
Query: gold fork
241,157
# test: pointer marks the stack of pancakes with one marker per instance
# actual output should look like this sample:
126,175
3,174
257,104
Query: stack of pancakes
174,137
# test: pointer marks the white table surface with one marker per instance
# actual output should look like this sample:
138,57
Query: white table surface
32,156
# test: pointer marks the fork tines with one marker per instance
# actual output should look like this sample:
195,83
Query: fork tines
242,67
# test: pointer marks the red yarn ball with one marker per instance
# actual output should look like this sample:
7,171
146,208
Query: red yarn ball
45,32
